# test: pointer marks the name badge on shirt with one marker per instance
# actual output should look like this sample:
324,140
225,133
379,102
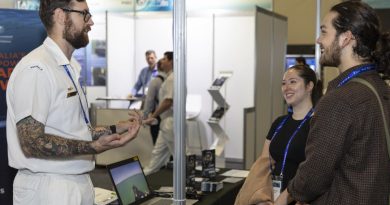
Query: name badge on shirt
70,94
277,186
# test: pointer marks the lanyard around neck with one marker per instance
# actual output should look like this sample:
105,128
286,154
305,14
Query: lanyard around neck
357,72
155,73
77,90
308,115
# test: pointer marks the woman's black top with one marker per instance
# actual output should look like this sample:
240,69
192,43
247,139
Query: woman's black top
296,152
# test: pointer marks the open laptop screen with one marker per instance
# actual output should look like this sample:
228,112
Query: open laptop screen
129,181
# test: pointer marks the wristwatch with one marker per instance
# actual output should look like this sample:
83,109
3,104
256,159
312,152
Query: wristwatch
113,129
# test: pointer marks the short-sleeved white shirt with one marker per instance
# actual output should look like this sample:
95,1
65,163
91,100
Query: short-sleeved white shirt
40,87
166,92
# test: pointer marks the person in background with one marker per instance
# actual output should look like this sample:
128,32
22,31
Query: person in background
50,139
151,100
300,61
284,148
164,146
347,158
145,75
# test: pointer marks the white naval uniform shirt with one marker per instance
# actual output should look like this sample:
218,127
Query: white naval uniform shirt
166,92
40,87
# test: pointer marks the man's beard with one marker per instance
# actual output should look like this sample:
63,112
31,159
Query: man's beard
77,39
331,55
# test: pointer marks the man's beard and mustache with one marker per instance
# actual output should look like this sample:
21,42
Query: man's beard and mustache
331,55
78,39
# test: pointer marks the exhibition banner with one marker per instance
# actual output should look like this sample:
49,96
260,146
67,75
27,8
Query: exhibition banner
20,32
110,5
193,5
130,5
149,5
27,4
154,5
167,5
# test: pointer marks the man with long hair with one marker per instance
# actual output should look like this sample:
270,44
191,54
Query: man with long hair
347,158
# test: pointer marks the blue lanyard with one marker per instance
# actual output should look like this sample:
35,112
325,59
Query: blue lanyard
77,90
308,115
154,73
357,72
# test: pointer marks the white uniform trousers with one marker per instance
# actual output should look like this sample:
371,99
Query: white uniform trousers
48,189
163,148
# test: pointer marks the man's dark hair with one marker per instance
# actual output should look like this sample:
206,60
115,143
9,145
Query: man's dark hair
169,55
301,60
159,65
47,7
149,52
362,21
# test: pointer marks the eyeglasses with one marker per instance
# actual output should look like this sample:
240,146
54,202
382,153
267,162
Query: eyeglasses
85,13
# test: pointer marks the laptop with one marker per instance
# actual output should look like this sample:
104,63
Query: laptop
131,185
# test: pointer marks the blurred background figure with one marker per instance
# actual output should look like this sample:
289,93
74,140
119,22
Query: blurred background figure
300,61
152,100
145,75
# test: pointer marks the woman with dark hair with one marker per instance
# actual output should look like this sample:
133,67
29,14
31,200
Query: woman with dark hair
284,148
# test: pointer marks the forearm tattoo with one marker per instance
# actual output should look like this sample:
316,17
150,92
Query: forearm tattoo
100,131
35,143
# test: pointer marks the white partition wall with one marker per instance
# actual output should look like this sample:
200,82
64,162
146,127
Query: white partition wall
200,67
120,56
234,52
152,32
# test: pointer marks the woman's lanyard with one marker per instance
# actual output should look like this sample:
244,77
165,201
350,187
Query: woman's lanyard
81,104
308,115
357,72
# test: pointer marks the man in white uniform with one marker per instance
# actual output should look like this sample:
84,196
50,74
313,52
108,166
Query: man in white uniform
50,139
164,146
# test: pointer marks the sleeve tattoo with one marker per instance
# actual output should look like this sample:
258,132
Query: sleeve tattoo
35,143
100,131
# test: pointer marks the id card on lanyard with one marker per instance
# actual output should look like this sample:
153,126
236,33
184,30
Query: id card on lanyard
277,186
81,104
277,181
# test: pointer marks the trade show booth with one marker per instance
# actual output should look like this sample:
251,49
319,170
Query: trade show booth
248,44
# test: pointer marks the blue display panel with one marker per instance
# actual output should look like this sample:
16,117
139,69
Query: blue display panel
310,60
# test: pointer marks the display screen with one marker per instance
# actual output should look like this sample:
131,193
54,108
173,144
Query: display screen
310,60
129,181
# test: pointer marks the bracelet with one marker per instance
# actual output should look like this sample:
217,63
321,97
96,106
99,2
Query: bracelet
113,129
